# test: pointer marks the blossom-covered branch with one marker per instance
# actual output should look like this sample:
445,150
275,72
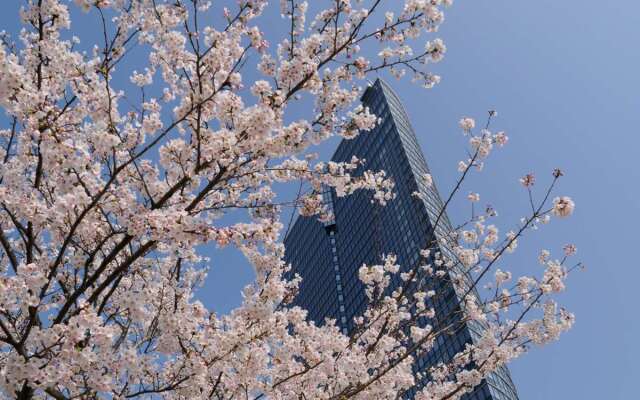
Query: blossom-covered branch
112,179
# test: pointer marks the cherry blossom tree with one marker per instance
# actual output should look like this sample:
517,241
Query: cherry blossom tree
107,195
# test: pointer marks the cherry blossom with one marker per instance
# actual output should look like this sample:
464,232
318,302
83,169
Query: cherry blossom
467,124
528,180
114,179
563,206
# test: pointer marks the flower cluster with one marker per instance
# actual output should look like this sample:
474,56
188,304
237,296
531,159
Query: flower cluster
108,196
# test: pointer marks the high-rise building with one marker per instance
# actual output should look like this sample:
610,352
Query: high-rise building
327,255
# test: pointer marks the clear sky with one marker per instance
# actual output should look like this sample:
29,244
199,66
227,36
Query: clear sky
564,77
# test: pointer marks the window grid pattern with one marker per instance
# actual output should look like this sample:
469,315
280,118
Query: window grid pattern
355,237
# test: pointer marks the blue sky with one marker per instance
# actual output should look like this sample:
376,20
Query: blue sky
563,76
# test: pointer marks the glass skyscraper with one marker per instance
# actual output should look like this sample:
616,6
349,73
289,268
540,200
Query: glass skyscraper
327,255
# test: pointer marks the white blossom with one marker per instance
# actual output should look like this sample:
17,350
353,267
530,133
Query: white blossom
467,124
111,196
563,206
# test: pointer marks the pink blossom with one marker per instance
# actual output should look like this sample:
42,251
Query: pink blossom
563,206
528,180
467,124
111,196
